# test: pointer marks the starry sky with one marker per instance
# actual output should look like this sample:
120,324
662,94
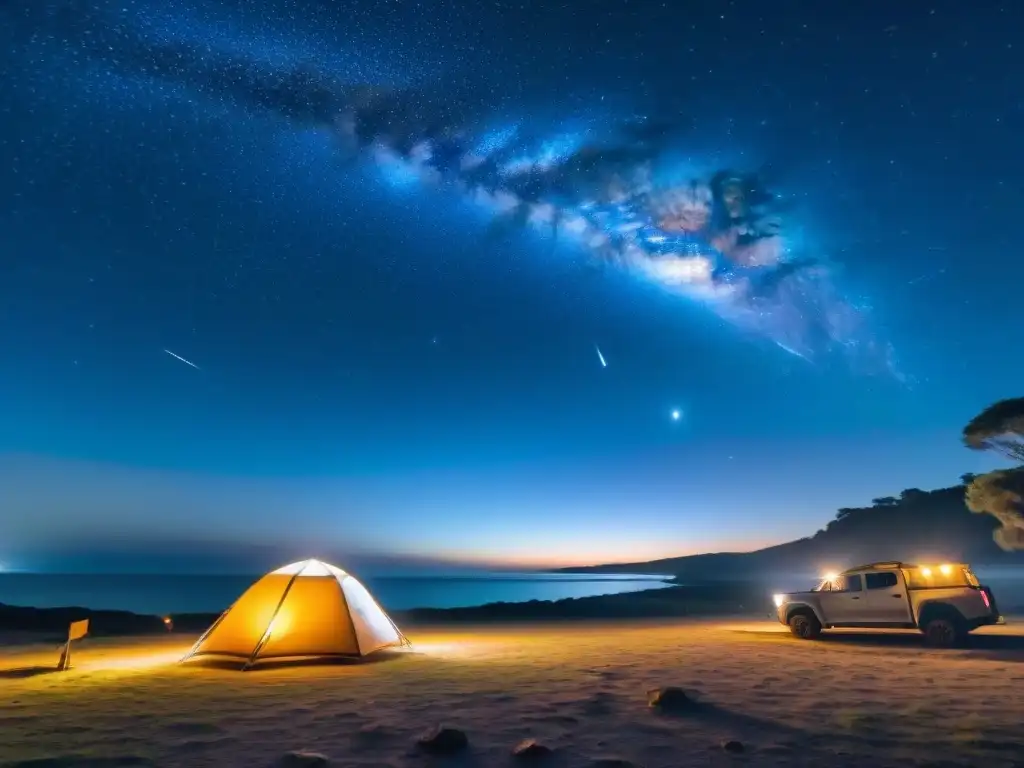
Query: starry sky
373,373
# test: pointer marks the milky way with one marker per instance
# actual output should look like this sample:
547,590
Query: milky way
609,188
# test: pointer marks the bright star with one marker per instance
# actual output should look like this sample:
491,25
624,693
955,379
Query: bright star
676,415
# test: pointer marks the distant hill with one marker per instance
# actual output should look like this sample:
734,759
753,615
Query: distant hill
916,526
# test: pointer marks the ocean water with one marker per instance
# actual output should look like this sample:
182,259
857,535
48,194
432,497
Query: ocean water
162,594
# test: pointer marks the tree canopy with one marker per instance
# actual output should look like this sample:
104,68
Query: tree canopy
1000,494
1000,427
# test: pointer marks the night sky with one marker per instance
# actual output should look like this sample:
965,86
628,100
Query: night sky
375,373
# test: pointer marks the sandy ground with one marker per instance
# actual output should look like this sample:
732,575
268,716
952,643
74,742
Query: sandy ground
851,699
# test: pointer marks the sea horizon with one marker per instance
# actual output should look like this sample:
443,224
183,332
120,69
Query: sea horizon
157,594
528,575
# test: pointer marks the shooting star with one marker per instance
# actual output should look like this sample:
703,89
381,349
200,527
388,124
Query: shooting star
792,351
600,357
179,357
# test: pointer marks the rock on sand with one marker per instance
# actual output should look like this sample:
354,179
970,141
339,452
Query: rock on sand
528,749
303,759
670,700
443,741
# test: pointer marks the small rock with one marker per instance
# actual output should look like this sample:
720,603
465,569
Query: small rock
443,741
528,749
303,760
733,746
670,700
613,762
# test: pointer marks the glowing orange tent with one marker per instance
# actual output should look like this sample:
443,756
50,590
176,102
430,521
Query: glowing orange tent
308,609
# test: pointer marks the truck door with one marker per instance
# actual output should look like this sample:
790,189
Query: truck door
885,598
841,603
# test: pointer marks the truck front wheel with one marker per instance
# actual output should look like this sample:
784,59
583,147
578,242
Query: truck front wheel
805,626
944,632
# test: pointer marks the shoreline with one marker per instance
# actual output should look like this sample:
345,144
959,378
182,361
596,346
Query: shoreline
709,599
194,593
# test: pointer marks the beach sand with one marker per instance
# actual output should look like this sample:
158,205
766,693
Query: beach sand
580,689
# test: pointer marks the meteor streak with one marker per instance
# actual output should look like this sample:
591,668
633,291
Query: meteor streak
179,357
604,363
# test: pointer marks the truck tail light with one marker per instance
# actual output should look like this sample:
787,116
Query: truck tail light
984,598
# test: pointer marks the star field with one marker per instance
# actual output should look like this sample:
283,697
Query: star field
392,373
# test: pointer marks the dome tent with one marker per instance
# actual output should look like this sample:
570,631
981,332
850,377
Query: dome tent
308,609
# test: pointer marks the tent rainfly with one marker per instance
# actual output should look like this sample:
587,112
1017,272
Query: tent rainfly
308,609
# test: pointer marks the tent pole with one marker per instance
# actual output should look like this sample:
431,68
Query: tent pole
348,612
270,624
206,634
401,635
405,640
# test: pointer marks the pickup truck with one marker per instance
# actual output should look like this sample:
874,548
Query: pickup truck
945,602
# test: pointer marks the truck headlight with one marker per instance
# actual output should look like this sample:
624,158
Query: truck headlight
779,600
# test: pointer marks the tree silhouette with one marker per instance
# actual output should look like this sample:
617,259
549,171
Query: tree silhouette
912,495
1000,427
